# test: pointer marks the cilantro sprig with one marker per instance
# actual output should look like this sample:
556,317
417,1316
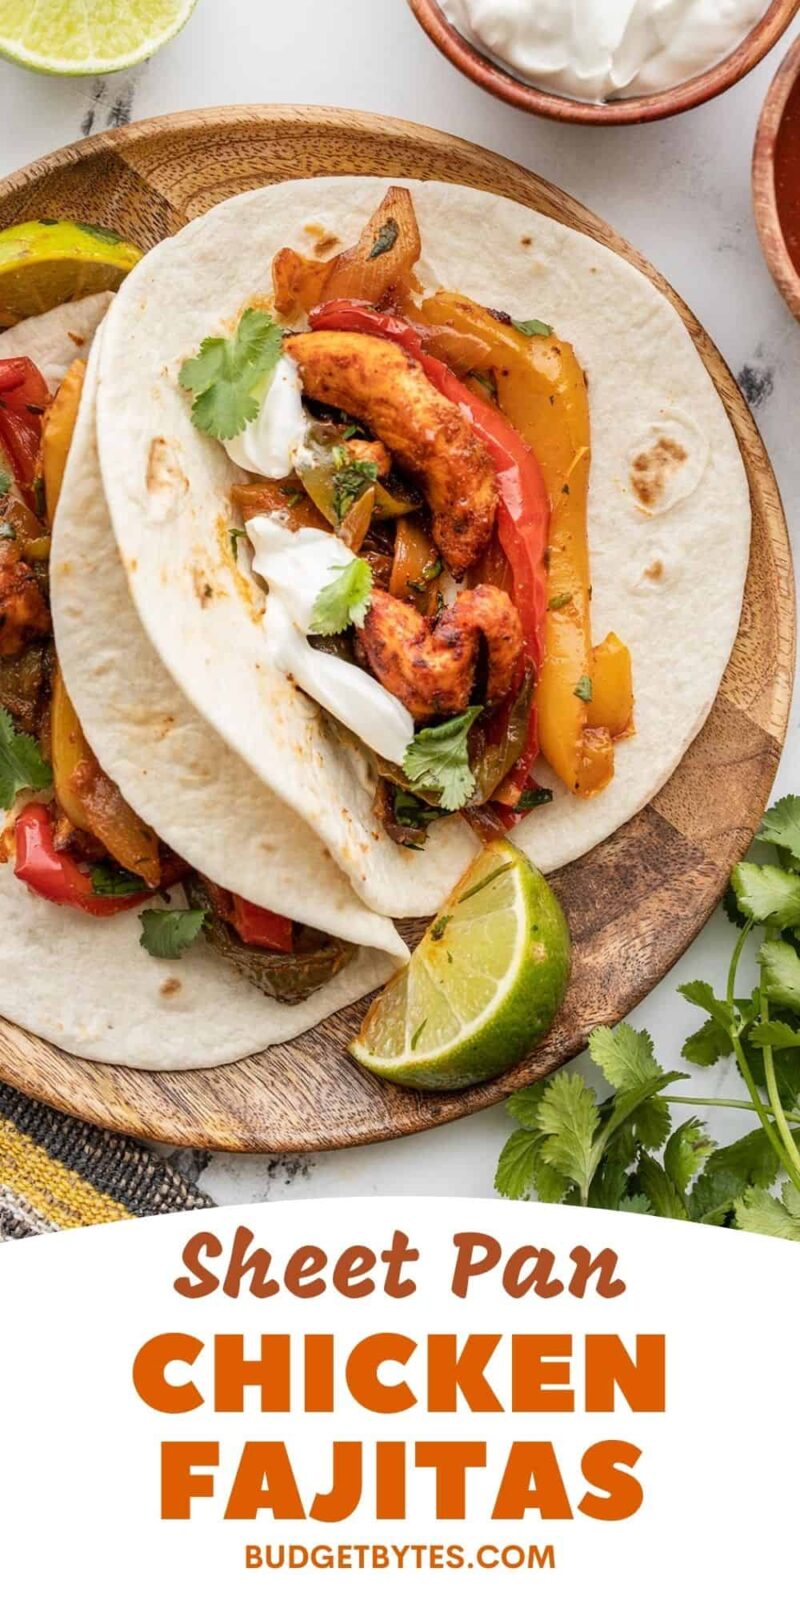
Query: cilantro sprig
622,1152
437,760
166,934
344,601
228,377
22,765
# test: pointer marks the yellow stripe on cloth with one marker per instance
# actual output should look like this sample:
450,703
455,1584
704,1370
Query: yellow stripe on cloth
62,1197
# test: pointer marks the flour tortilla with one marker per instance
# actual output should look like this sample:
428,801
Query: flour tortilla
669,547
87,985
57,338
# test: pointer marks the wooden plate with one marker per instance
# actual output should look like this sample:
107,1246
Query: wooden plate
635,902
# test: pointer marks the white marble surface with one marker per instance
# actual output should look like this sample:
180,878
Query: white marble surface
679,190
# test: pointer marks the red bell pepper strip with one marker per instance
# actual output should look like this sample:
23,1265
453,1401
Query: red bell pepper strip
24,396
55,875
267,929
523,517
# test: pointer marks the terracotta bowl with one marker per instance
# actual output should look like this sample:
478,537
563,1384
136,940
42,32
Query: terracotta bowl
640,108
776,179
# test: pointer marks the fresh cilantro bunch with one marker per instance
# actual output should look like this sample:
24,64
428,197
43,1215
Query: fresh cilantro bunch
622,1152
229,377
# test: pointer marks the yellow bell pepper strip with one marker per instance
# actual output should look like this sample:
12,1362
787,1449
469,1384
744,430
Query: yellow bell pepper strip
89,798
541,389
59,426
611,705
416,566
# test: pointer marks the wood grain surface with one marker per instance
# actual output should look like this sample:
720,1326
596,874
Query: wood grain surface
635,902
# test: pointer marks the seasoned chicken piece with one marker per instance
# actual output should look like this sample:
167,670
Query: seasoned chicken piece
371,450
23,609
431,665
385,388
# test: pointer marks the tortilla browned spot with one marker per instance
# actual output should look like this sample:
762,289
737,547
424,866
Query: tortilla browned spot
326,244
652,469
165,474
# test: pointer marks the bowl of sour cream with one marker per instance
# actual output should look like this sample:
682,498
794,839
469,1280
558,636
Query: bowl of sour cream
605,61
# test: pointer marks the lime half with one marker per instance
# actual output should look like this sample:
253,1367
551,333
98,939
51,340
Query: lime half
481,988
88,36
45,264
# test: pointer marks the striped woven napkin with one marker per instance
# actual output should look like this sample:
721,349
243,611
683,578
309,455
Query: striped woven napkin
56,1172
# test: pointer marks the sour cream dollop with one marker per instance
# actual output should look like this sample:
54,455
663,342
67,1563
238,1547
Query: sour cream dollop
605,49
270,444
296,566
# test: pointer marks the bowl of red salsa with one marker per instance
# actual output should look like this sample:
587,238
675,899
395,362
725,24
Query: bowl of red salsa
776,179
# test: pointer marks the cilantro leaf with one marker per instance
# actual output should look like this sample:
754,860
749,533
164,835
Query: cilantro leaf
385,239
781,826
780,973
774,1035
751,1158
524,1104
438,759
761,1212
583,690
639,1115
226,375
686,1153
609,1186
767,894
346,599
625,1057
109,879
22,765
534,326
711,1043
658,1188
516,1169
713,1197
731,909
166,934
569,1116
701,994
551,1187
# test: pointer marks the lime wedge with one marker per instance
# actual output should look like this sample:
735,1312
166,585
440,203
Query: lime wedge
87,36
481,988
44,264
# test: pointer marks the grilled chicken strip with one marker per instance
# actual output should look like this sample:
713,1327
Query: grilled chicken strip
24,613
430,664
429,437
